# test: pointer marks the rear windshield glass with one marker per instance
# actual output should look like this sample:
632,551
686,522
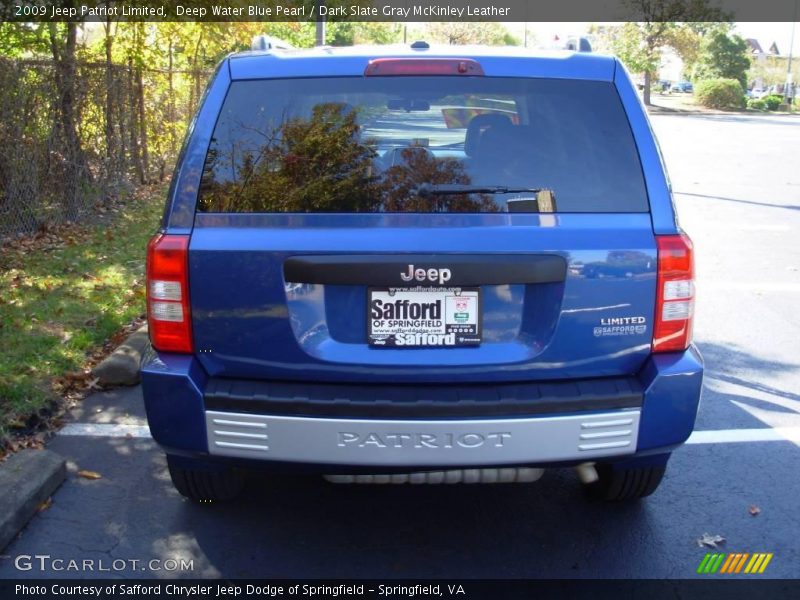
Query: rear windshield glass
422,144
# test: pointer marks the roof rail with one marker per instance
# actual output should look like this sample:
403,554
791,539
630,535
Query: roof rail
267,42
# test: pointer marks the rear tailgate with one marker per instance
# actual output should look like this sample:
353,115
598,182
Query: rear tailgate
251,322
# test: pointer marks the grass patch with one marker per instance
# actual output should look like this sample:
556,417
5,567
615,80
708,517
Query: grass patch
63,294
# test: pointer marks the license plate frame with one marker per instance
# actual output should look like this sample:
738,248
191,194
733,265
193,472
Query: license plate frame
460,313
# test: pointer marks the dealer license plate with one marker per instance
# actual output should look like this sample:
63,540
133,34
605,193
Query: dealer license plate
423,317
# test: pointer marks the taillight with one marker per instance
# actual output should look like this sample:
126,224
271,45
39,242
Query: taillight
168,316
422,66
675,294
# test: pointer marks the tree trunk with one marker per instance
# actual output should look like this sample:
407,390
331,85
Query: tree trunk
76,170
143,126
122,146
646,92
133,129
171,105
110,150
195,94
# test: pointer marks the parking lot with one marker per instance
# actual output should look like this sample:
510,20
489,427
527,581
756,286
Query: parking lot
737,187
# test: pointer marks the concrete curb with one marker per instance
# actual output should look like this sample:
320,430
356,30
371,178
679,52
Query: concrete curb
656,109
121,367
27,479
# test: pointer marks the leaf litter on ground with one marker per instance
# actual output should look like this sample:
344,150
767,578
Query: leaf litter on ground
710,541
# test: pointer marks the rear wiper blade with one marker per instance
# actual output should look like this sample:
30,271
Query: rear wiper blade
426,189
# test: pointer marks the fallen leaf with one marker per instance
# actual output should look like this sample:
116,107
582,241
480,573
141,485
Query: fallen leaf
754,510
710,541
75,376
89,474
44,505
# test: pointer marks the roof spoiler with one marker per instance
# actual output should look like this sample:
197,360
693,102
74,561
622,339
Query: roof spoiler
267,42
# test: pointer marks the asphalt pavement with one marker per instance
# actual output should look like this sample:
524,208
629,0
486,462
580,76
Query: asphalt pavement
737,187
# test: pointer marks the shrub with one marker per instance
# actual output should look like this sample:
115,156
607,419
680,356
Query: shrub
757,104
773,102
724,94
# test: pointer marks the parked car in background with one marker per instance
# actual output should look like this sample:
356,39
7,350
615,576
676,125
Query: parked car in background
684,87
661,85
756,92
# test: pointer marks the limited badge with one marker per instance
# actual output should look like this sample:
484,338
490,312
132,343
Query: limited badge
621,326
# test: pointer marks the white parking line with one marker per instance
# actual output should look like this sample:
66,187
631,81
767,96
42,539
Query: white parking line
738,227
721,436
738,286
725,436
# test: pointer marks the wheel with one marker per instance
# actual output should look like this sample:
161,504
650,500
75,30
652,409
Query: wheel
205,484
620,485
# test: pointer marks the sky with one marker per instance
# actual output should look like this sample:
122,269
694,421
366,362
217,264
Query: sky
765,33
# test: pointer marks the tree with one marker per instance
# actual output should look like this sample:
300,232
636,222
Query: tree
19,39
627,43
348,33
724,57
314,164
639,43
687,43
456,32
771,70
402,183
321,164
687,40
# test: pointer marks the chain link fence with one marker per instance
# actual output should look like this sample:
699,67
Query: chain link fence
125,129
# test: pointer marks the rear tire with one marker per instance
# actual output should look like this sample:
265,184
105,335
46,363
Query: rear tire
625,485
205,485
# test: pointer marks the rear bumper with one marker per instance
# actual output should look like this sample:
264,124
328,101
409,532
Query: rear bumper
408,443
520,424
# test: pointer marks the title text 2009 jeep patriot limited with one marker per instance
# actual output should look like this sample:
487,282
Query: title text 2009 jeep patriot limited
417,264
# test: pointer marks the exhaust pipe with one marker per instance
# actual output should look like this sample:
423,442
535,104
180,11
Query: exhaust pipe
510,475
587,473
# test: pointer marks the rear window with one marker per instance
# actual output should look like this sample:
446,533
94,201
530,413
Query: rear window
422,144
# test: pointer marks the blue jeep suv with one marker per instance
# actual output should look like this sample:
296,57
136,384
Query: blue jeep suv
420,265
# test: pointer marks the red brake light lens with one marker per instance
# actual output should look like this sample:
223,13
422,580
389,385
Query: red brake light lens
380,67
168,315
674,294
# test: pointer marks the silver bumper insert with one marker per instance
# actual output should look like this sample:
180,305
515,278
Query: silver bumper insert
376,442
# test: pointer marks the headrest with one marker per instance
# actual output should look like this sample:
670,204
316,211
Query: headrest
476,126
